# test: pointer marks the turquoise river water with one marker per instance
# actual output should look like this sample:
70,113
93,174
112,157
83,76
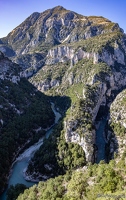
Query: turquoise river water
22,161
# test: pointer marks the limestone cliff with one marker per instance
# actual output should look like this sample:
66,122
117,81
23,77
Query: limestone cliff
117,136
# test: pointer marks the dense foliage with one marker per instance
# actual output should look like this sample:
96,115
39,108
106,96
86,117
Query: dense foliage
23,110
102,181
56,156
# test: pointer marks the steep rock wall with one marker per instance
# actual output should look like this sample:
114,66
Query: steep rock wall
117,134
85,142
65,53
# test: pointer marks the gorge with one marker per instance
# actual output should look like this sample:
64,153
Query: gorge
79,63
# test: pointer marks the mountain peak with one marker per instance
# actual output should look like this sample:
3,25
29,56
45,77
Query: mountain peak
53,27
58,8
55,10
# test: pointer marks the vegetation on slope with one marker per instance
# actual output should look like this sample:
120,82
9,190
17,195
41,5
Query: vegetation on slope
117,126
100,42
79,111
99,181
23,110
56,156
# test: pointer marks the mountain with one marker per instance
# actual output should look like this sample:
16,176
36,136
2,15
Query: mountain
80,62
31,40
53,27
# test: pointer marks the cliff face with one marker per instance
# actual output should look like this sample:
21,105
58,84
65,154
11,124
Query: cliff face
117,109
117,133
66,53
8,69
30,63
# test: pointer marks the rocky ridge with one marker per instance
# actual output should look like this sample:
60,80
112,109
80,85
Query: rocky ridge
56,25
41,31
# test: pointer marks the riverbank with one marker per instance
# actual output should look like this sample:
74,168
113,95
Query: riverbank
16,174
35,177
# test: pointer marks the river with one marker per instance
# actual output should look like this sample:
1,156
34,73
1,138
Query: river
23,160
100,140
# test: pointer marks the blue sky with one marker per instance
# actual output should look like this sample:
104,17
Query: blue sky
13,12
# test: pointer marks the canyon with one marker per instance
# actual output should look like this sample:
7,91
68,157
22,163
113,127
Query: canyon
78,63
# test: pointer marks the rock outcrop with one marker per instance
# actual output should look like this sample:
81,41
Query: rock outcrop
117,122
30,63
9,70
86,141
117,109
66,53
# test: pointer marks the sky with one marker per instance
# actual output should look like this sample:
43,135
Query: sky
14,12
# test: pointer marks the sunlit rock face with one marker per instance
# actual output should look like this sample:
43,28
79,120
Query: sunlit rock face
56,26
